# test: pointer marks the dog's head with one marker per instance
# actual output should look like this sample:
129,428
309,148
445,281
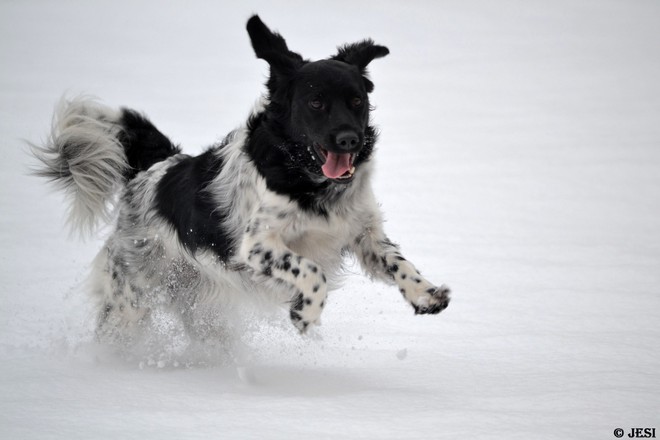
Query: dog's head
320,106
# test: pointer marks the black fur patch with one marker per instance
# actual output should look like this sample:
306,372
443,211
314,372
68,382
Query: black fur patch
182,199
282,137
143,143
297,303
284,164
392,269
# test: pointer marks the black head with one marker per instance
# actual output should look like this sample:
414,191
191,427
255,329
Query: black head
320,109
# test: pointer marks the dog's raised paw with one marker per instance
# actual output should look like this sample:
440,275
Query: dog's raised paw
305,312
434,301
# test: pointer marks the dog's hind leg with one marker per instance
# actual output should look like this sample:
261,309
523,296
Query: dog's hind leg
119,309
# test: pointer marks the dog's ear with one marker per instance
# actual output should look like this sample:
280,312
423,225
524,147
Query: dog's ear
360,55
271,47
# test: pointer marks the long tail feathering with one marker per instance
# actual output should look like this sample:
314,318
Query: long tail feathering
84,157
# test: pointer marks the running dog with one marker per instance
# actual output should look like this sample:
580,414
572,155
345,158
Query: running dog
272,209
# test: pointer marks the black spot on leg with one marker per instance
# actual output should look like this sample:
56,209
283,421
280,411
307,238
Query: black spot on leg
400,258
403,291
391,270
267,263
322,304
432,309
297,302
106,312
308,301
295,317
316,288
325,280
417,280
313,268
256,250
285,262
403,276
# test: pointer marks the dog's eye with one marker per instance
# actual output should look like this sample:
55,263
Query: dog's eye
356,102
316,104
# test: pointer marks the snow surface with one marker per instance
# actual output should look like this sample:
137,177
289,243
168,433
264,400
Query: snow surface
519,162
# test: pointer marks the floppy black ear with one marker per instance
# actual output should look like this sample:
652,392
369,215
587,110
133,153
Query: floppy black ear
271,47
360,55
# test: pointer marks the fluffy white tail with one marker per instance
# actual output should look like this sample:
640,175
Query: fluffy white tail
84,156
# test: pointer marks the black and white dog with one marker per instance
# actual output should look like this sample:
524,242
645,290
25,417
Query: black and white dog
273,209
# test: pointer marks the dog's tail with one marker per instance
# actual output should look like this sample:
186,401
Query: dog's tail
92,151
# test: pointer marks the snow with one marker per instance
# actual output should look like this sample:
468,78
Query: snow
519,162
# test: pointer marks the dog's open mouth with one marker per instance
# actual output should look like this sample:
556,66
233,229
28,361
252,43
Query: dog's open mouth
335,166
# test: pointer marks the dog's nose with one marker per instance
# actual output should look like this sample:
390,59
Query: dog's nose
347,140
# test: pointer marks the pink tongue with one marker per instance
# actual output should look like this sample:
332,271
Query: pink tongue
336,165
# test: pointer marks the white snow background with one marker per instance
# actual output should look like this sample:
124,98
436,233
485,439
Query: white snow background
519,162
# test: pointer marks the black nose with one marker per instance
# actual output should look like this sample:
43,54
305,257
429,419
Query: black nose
347,140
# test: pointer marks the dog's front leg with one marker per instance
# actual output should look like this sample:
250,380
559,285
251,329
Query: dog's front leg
382,259
267,255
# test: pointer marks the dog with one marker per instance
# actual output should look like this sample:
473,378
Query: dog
273,209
